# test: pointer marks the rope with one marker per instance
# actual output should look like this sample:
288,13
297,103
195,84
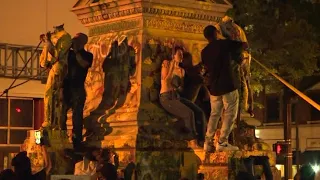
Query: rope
299,93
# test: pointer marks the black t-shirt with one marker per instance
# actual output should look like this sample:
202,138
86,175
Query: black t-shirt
76,73
219,58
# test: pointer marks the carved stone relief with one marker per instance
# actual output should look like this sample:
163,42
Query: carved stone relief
107,14
113,72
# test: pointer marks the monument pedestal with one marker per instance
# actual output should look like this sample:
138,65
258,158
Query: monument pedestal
129,40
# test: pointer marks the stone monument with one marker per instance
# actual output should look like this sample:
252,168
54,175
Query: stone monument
129,40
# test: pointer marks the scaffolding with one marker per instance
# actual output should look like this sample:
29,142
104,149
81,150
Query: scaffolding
14,57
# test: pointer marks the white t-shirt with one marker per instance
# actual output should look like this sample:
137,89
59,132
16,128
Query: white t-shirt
86,167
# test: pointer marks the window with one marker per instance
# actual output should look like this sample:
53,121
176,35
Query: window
273,108
17,117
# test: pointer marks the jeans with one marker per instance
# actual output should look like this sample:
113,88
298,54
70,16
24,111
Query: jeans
171,102
200,118
227,105
74,99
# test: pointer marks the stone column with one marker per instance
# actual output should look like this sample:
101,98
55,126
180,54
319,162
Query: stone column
122,91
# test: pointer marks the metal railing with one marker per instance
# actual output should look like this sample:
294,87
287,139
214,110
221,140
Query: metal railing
14,57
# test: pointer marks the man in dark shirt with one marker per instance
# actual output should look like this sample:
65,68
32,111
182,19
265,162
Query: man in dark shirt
79,61
219,58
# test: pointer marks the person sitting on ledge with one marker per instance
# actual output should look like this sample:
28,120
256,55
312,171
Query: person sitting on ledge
171,81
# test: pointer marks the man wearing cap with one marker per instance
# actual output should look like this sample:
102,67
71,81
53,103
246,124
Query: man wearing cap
79,61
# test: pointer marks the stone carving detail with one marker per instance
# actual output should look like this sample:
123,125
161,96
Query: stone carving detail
115,27
174,25
104,15
96,82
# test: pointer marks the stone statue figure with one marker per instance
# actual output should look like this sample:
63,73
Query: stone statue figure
118,66
54,57
228,29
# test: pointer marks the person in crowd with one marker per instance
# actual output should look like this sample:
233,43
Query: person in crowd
106,170
171,83
223,87
22,166
89,164
7,174
306,173
79,61
200,176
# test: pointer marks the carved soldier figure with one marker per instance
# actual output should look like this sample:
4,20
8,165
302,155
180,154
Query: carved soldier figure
118,66
54,56
228,29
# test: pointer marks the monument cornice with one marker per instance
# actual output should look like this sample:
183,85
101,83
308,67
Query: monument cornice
100,12
186,25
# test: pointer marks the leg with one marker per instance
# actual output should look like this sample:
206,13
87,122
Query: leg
48,100
78,100
215,114
200,119
179,110
249,164
264,161
231,104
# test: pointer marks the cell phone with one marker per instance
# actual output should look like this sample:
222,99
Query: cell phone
37,136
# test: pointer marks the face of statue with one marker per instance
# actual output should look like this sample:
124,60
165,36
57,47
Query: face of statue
178,56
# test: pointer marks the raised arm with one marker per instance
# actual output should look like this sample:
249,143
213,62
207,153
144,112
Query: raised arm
166,70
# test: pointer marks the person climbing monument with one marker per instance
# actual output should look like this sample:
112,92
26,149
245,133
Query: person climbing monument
54,57
171,81
79,61
223,87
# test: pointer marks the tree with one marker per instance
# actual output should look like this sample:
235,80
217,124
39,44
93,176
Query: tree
282,35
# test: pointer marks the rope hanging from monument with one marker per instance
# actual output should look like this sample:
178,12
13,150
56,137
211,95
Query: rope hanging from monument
295,90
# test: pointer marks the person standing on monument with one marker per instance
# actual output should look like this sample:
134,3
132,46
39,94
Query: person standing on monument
223,87
79,61
171,81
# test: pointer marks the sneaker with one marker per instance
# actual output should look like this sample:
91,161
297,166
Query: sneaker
225,146
208,146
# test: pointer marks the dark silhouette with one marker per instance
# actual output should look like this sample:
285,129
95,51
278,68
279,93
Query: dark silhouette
7,174
22,166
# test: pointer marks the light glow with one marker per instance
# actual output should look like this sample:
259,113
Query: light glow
18,110
257,133
316,168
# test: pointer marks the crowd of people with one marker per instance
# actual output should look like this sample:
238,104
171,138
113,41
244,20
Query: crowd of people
96,162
